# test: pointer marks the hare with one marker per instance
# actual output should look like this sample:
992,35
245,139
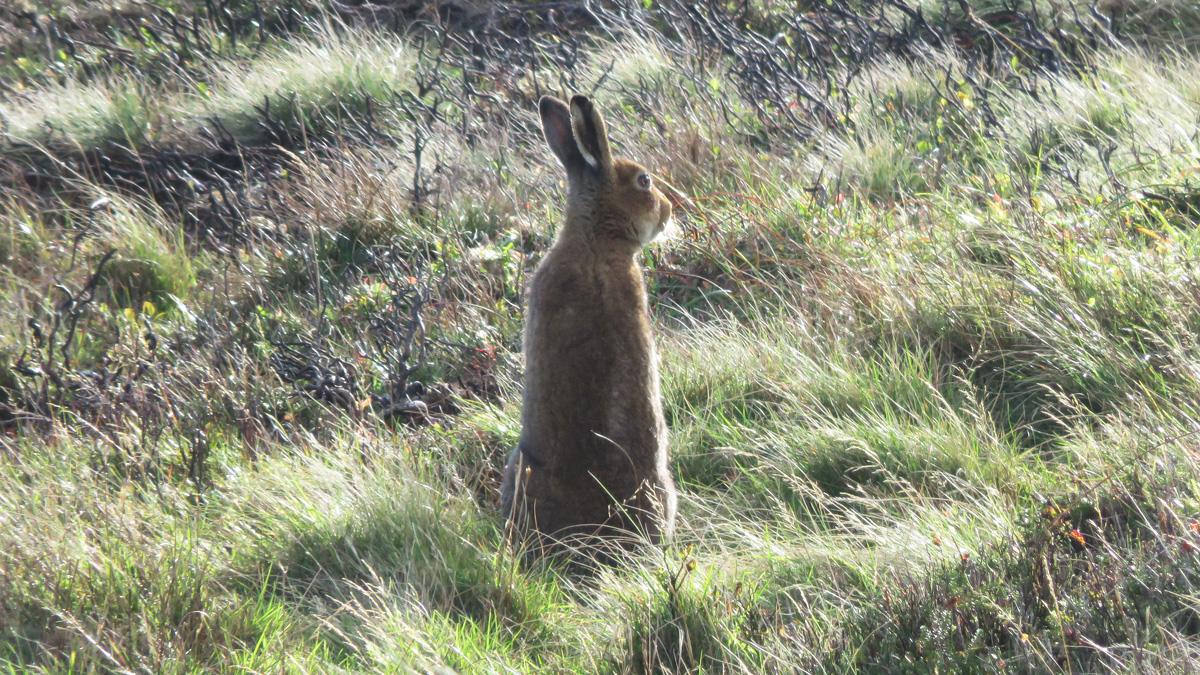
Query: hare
591,465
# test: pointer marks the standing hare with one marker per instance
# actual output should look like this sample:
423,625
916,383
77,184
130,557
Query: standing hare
591,466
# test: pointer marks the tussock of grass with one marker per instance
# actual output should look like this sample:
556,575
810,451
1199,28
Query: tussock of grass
80,115
22,241
337,74
298,86
153,263
630,65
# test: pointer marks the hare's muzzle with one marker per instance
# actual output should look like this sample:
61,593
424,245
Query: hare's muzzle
664,215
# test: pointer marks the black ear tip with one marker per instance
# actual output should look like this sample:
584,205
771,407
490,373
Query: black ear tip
547,103
582,101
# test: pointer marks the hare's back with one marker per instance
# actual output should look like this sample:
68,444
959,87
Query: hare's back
567,325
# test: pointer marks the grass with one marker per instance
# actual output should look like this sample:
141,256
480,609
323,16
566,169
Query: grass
332,72
294,83
85,115
929,367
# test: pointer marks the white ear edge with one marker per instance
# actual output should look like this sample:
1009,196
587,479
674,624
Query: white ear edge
587,156
577,126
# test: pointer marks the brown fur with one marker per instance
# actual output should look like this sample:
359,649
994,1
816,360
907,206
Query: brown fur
592,460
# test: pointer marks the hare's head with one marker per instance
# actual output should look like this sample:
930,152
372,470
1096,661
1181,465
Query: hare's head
612,198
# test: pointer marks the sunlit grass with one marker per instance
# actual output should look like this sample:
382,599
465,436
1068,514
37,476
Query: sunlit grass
81,115
295,85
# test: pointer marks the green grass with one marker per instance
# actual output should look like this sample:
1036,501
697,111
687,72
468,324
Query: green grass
296,84
930,372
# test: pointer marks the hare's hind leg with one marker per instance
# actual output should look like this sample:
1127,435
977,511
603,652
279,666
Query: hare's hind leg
508,482
654,513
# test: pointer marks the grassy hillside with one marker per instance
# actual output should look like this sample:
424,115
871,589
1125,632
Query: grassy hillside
929,333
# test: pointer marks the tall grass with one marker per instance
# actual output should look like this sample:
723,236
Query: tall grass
334,73
295,84
81,115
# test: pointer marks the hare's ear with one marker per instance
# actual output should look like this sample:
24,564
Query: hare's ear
590,133
556,126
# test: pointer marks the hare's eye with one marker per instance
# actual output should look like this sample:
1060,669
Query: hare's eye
643,181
